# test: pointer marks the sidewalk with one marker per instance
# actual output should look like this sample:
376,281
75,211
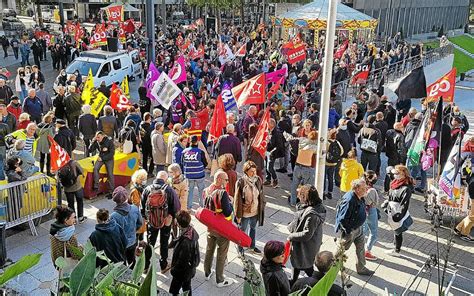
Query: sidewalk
390,272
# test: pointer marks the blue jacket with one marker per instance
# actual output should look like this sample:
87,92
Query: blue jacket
34,107
350,213
177,155
333,118
136,118
194,163
128,217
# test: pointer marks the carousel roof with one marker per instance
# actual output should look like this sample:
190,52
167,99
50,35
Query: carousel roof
315,14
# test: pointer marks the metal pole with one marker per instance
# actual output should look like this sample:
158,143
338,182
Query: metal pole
61,14
3,244
150,30
163,16
325,97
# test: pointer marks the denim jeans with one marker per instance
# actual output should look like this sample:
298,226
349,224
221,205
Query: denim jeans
244,225
301,176
371,224
199,183
329,179
414,171
270,169
369,159
109,165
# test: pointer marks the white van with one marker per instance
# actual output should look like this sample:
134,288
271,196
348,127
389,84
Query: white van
107,66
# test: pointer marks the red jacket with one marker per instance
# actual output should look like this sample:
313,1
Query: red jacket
16,111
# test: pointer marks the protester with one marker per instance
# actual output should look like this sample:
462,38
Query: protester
334,155
69,177
226,162
106,149
62,235
229,143
87,126
274,277
138,179
27,160
146,144
397,206
33,106
129,219
178,148
108,123
172,140
252,154
249,202
5,92
109,237
23,121
180,184
194,163
350,217
186,255
13,170
45,130
306,231
158,145
350,171
275,149
15,107
371,223
219,204
65,137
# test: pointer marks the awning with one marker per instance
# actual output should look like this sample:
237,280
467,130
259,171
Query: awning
126,7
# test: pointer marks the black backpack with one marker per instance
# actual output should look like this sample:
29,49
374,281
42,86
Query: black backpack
67,174
334,152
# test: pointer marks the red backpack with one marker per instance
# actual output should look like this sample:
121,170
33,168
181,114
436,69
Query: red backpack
157,207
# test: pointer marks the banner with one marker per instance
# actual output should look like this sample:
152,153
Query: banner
443,87
164,91
296,54
99,38
122,34
341,49
152,75
242,51
70,28
228,98
218,120
98,101
274,89
79,32
59,156
450,179
125,87
419,143
260,141
275,76
196,54
86,91
118,100
413,85
115,13
360,74
178,72
225,53
251,91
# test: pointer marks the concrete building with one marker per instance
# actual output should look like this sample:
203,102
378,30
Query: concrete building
414,16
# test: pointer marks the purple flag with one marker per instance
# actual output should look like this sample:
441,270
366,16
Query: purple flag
274,77
152,75
178,72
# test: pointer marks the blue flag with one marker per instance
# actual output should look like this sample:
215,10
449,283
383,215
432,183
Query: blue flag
228,97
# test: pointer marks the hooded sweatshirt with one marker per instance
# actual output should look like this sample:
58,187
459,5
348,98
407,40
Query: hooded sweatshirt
184,254
128,217
350,170
275,280
110,238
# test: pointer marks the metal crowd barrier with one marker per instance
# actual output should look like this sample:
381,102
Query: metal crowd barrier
393,71
24,201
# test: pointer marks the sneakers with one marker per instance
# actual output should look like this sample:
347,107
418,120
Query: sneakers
225,283
275,184
166,269
267,183
369,256
208,276
467,238
420,190
282,170
366,272
327,195
256,251
82,220
393,252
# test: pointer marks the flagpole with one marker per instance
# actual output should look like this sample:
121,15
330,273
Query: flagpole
440,140
325,98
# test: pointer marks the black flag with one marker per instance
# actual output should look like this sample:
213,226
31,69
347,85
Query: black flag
412,86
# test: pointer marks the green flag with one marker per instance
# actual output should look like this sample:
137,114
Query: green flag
419,142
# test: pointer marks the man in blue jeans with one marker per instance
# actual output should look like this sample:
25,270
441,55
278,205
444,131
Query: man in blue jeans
194,162
106,149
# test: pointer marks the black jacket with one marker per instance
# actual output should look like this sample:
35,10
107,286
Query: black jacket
335,290
106,149
59,107
145,134
276,146
87,125
4,131
182,264
274,277
66,139
344,138
401,195
371,133
110,238
410,131
5,94
395,147
284,124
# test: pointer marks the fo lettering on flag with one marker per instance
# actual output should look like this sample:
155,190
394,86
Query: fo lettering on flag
260,142
59,156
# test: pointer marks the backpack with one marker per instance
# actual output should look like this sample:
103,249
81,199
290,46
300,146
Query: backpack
67,174
334,152
341,211
157,207
213,200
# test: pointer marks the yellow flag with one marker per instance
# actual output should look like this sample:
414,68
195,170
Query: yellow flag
86,91
98,101
125,88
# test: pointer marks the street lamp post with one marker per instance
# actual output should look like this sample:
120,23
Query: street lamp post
325,96
150,30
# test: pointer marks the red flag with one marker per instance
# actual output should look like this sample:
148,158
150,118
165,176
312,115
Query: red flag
185,45
79,32
196,54
115,13
341,49
443,87
179,40
130,27
297,41
297,54
122,35
215,83
274,89
361,74
242,51
59,156
260,141
118,100
218,121
251,91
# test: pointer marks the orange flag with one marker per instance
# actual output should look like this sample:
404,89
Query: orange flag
260,141
118,100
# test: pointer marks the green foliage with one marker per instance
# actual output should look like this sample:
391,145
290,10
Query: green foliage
19,267
464,41
117,270
218,4
324,285
253,285
148,286
138,268
82,276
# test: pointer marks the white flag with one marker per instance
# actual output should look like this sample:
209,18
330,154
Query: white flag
164,90
225,53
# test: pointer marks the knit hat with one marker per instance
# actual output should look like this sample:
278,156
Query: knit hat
120,195
273,249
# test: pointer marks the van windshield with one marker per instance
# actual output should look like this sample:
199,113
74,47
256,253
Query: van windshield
83,67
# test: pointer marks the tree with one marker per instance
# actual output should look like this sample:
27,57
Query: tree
217,6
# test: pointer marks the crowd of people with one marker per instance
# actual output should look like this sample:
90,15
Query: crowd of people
360,139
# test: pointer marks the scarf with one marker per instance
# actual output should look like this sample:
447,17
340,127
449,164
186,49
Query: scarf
65,234
178,179
397,183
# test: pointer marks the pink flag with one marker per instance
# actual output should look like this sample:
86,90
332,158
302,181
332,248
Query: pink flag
275,76
152,75
178,72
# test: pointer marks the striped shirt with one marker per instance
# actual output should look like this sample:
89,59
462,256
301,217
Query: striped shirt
29,144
